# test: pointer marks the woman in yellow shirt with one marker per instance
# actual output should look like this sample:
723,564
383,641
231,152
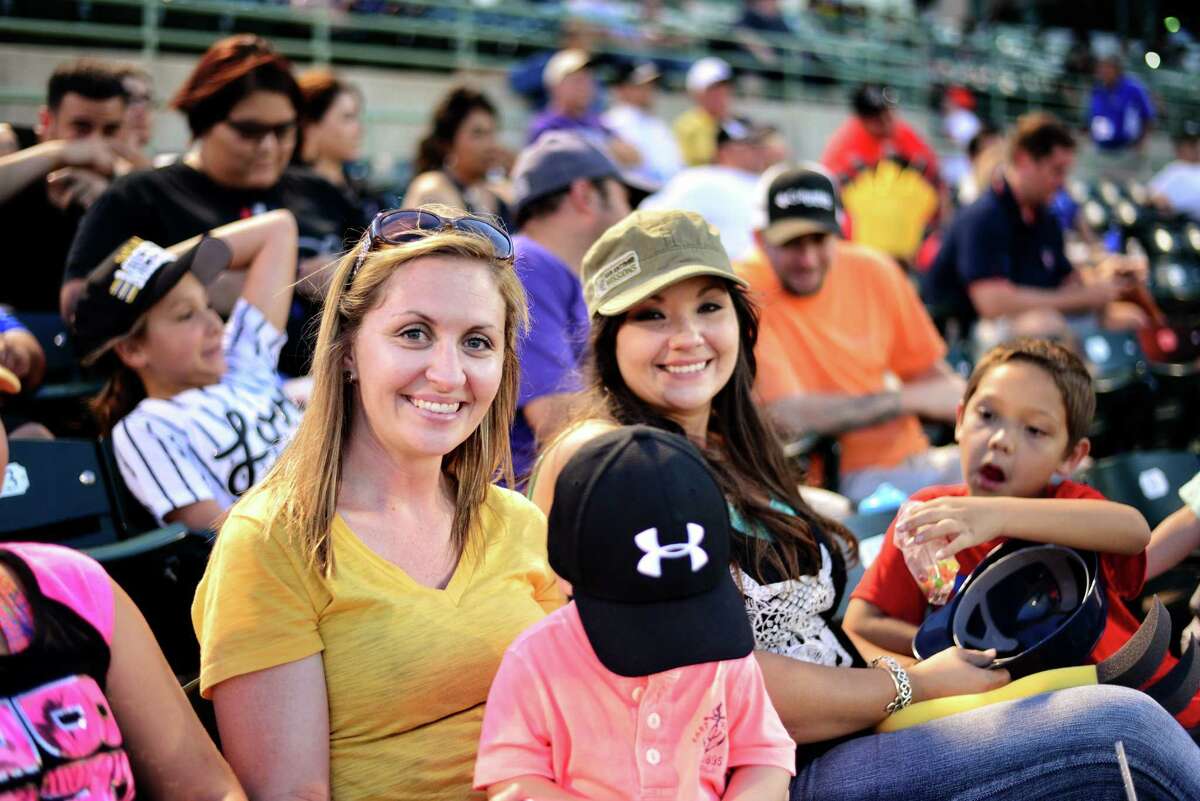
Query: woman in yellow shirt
357,602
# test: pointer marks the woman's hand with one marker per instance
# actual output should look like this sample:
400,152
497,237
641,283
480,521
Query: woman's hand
962,522
955,671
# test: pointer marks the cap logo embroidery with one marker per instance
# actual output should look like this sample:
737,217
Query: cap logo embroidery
137,267
813,198
651,563
616,272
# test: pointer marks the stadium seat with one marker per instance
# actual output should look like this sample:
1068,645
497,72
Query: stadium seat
59,403
870,524
64,376
818,457
55,491
160,570
60,491
1173,355
1147,480
1124,400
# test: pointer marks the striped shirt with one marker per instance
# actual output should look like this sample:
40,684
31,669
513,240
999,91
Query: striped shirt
214,442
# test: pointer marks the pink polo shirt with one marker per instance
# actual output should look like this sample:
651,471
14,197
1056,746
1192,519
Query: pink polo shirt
554,711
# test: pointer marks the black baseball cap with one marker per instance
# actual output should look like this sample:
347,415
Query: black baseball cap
635,73
871,100
130,281
797,200
641,530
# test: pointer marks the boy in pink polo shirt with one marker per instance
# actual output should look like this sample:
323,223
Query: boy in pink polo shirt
645,686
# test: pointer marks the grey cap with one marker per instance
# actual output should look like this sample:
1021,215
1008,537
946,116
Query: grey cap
551,163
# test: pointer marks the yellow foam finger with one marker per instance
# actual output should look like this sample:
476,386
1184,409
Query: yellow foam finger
1035,684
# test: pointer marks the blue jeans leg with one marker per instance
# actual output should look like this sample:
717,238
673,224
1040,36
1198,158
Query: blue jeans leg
1056,746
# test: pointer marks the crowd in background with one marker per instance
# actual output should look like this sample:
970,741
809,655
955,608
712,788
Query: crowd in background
359,398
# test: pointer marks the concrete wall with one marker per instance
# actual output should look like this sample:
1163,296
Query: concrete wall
398,102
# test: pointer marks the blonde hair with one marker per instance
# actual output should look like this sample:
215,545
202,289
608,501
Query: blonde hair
308,474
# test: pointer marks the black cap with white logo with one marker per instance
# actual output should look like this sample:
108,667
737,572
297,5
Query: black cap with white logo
130,281
641,530
797,201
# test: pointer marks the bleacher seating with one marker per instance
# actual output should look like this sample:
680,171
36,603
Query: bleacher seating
63,491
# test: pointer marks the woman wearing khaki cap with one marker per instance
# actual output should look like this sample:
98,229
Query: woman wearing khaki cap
673,346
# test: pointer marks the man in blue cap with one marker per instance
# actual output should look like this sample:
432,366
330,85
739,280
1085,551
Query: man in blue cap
566,192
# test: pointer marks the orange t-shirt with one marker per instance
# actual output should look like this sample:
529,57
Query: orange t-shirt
865,322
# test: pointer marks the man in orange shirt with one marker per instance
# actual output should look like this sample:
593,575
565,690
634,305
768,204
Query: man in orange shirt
845,346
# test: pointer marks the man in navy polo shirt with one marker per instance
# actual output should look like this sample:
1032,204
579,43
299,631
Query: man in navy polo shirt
1120,116
1003,259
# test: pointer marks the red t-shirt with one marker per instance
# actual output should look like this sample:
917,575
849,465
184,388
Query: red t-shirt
889,585
851,147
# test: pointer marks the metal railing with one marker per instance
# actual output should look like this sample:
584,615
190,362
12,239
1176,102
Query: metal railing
1008,71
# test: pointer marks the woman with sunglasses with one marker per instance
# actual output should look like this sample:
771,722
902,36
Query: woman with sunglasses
242,106
673,346
455,157
357,603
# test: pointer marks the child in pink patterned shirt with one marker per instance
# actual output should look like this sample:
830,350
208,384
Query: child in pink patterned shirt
645,686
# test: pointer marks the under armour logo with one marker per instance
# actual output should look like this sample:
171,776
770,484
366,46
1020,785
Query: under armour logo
651,563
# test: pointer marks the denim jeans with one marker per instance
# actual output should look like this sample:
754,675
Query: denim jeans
1056,746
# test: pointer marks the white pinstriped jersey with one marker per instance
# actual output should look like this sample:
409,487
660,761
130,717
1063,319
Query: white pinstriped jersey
216,442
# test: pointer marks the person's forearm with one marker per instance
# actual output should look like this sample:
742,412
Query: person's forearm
757,783
273,232
818,703
530,787
885,634
18,170
933,398
833,414
1172,541
1088,524
1008,299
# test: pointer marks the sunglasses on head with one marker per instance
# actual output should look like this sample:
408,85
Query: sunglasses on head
257,131
398,226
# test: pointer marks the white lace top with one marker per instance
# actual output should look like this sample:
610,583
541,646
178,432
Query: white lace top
788,616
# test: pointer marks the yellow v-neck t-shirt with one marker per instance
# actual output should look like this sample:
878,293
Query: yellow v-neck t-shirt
407,667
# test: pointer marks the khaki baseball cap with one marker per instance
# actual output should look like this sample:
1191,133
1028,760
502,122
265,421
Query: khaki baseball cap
646,252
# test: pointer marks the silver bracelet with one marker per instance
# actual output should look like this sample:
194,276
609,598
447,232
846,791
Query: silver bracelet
899,678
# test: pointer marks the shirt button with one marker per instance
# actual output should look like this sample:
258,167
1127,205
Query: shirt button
637,693
653,757
653,721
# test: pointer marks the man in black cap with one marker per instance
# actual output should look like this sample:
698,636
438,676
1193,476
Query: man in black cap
845,346
632,118
566,192
646,684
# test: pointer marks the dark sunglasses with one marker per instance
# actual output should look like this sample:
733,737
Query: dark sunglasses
398,226
257,131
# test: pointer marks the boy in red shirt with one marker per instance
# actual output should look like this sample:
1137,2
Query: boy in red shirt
1020,428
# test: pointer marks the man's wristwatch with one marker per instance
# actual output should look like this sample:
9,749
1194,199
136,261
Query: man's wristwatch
899,678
